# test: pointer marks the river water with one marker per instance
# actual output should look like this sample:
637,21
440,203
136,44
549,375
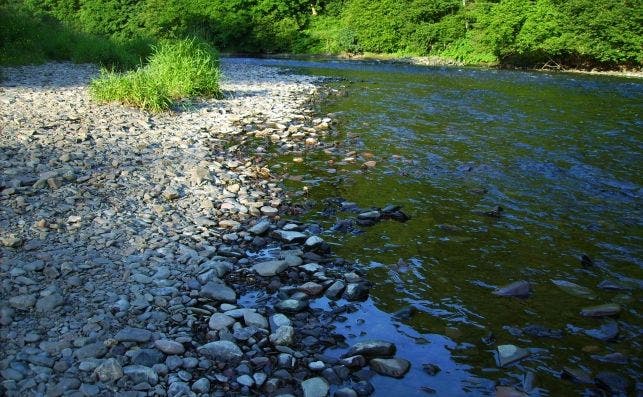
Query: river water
560,153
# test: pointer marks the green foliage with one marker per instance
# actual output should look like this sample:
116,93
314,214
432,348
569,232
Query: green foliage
175,70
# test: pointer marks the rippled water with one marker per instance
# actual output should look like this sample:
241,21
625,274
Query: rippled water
561,154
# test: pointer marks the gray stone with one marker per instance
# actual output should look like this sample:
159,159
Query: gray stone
255,319
394,367
245,380
219,292
292,305
179,389
270,268
335,290
109,371
279,320
223,350
22,302
605,332
220,321
130,334
139,374
313,241
371,349
49,303
201,386
345,392
289,236
260,227
92,350
311,288
147,357
283,335
169,346
315,387
574,289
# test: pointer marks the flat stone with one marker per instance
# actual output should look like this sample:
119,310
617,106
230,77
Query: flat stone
131,334
169,346
313,241
202,385
315,387
222,350
283,335
219,321
289,236
23,302
279,320
270,268
245,380
92,350
109,371
311,288
606,310
219,292
605,332
520,289
394,367
574,289
356,292
335,290
371,349
147,357
269,211
508,354
369,215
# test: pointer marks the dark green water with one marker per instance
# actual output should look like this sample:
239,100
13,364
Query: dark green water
560,153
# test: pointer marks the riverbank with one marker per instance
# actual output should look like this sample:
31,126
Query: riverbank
436,61
147,253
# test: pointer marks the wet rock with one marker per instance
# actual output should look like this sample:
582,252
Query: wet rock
371,349
218,292
315,387
363,388
586,261
245,380
353,361
610,285
508,354
253,319
606,332
292,305
219,321
508,391
606,310
612,382
540,331
130,334
335,290
225,351
574,289
313,241
270,268
109,371
169,346
394,367
431,369
356,291
202,385
345,392
576,375
613,358
311,288
369,215
519,289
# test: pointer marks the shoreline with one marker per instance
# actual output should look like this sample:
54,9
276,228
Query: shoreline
147,252
435,61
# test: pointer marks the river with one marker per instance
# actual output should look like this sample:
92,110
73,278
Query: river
559,153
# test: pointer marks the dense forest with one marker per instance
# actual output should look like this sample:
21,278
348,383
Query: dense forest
575,33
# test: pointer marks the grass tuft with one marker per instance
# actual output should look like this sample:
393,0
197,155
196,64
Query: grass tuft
175,70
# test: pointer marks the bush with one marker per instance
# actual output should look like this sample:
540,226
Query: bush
175,70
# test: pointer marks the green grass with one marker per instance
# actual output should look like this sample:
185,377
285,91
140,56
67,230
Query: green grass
175,70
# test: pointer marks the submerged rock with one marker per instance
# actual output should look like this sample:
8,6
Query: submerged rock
519,289
605,332
508,354
315,387
606,310
270,268
574,289
576,375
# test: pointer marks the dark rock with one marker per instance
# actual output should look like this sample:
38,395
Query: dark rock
353,361
606,332
614,358
335,290
130,334
363,388
612,382
315,387
147,357
508,354
292,305
431,369
139,374
606,310
356,291
219,292
225,351
394,367
371,349
540,331
576,375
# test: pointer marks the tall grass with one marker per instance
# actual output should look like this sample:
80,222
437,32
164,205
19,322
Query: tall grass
175,70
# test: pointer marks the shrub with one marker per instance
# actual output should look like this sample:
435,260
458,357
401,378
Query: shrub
175,70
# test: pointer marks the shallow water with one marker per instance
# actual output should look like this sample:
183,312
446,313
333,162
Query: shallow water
561,154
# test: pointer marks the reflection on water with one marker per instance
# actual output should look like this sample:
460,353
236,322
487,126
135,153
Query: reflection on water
561,154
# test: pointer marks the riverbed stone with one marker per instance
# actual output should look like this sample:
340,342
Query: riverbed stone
605,310
289,236
393,367
23,302
49,302
169,346
270,268
519,289
223,350
315,387
219,292
292,305
131,334
219,321
109,371
253,319
508,354
283,335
